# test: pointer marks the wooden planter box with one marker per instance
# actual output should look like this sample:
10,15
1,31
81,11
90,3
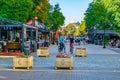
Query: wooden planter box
43,52
64,62
23,62
80,52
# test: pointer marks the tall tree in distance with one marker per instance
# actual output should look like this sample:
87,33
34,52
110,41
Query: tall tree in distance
40,9
71,29
49,22
82,28
55,17
58,18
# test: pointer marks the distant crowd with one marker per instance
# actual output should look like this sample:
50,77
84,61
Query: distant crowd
115,43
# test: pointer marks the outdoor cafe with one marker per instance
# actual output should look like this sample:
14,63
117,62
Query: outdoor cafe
14,35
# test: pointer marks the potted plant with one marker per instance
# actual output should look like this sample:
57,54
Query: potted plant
43,51
80,52
23,61
64,61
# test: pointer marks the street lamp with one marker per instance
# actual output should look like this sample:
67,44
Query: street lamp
92,29
95,33
35,20
104,38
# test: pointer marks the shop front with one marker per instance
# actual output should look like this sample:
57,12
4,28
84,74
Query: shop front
14,34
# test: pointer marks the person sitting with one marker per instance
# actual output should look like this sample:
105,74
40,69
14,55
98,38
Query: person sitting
4,45
112,43
118,44
71,43
39,44
46,42
17,39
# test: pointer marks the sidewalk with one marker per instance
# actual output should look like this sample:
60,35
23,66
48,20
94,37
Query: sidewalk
97,59
100,64
114,49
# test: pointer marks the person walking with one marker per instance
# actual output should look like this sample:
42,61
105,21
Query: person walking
71,43
61,44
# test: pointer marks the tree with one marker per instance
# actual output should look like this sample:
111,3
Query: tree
55,17
82,28
16,9
49,22
64,31
113,8
105,13
40,9
71,29
97,14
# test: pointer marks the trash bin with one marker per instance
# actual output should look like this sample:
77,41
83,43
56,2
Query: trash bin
27,48
34,47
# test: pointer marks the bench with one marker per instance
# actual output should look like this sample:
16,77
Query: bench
13,46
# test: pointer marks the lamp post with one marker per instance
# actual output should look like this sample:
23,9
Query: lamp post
104,39
35,20
96,28
95,39
92,35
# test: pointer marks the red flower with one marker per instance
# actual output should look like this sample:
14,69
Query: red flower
63,55
43,47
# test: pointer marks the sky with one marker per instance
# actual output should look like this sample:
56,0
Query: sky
73,10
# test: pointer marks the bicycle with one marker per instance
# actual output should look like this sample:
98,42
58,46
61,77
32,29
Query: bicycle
61,46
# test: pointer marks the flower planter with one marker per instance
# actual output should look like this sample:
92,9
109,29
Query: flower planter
44,51
80,52
64,62
23,62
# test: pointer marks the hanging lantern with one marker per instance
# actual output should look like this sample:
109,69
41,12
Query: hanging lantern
36,17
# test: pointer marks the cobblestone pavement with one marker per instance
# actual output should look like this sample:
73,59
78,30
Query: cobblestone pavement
100,64
114,49
59,75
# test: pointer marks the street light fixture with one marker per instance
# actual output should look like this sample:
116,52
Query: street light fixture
35,20
104,38
95,33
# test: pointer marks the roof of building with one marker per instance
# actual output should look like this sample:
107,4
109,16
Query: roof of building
13,23
106,32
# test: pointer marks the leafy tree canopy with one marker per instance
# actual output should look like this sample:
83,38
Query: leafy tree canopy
16,9
105,13
71,28
40,9
55,17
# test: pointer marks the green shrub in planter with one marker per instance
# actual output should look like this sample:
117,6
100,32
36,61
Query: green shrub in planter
105,42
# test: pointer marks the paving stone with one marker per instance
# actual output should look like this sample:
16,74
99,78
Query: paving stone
100,64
